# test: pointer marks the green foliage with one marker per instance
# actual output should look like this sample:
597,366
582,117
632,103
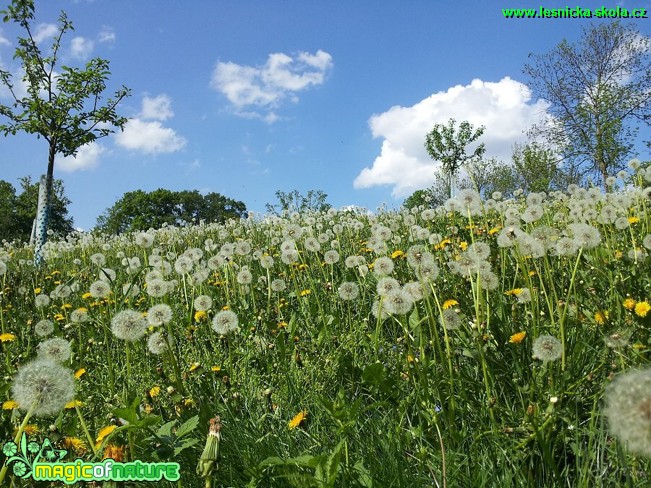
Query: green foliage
447,144
140,210
598,89
538,169
17,212
294,201
63,104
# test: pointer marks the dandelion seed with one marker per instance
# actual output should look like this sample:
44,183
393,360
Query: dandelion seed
202,303
266,261
100,289
547,348
157,288
398,302
129,325
225,322
331,256
348,290
98,259
159,314
43,386
244,277
41,301
44,328
278,285
628,410
57,349
387,285
383,266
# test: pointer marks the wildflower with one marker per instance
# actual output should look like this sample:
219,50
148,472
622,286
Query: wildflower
386,285
200,316
617,340
628,403
104,433
7,337
629,304
451,319
398,302
524,296
43,387
10,405
100,289
86,296
193,367
114,452
297,420
397,254
547,348
633,220
129,325
383,266
57,349
601,317
80,372
73,404
159,314
154,391
202,303
41,300
278,285
30,429
208,460
244,277
225,322
74,443
642,309
158,343
514,291
449,303
305,292
517,338
348,290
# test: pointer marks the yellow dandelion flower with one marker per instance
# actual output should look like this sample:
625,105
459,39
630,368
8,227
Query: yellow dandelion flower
38,290
601,317
155,391
86,296
410,358
226,307
216,368
72,404
74,443
66,306
9,405
449,303
114,452
532,273
514,291
30,429
194,366
305,292
59,317
629,304
518,337
188,402
397,254
282,324
633,220
80,372
103,433
7,337
297,420
200,316
642,308
494,230
618,254
463,245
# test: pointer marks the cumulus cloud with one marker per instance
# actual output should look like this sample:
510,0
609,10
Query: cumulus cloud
156,108
81,48
503,107
146,134
266,86
45,32
87,157
149,137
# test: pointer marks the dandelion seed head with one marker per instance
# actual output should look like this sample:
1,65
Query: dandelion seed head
41,300
57,349
44,328
159,314
547,348
225,322
157,343
348,290
44,386
202,303
129,325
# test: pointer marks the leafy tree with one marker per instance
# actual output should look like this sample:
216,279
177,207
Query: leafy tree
17,212
62,104
599,90
537,169
140,210
490,175
294,201
448,145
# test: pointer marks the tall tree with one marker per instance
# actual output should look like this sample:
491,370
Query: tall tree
447,144
294,201
599,91
140,210
63,105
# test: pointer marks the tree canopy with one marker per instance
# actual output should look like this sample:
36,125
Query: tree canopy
18,211
139,210
294,201
599,91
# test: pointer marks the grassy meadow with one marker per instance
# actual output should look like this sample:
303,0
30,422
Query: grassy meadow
497,342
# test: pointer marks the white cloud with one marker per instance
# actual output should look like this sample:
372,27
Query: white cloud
87,157
156,108
81,48
45,32
107,34
3,40
149,137
145,133
268,85
504,108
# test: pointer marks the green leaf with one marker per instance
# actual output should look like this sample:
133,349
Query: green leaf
166,429
373,374
184,445
188,426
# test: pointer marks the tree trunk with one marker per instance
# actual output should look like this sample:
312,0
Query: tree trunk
44,208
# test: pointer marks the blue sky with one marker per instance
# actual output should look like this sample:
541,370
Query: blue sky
245,98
